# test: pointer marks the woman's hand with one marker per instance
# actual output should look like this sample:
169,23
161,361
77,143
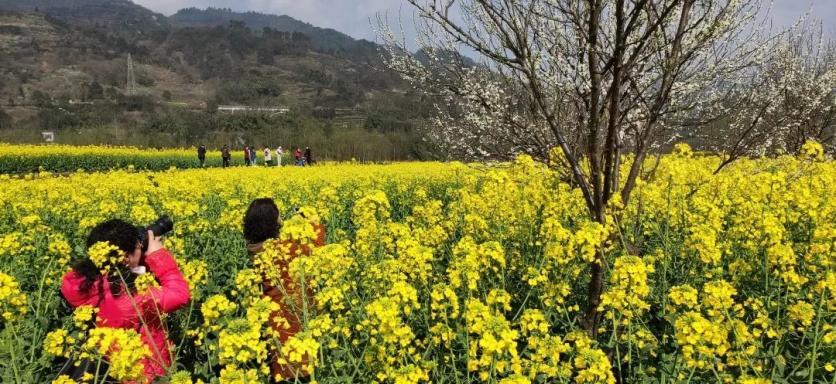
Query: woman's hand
154,243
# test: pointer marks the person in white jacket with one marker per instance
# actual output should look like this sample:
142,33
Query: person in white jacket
268,157
279,155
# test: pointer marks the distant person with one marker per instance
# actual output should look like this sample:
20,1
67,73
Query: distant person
279,155
201,155
253,156
268,157
297,155
225,155
246,155
308,156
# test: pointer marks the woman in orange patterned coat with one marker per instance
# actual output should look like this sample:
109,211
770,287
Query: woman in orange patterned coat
262,222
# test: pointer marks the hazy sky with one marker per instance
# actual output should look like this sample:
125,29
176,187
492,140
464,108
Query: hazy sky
352,16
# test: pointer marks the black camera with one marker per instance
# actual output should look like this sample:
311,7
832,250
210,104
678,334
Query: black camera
160,227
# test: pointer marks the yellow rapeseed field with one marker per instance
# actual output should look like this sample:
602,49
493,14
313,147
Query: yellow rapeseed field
448,273
18,158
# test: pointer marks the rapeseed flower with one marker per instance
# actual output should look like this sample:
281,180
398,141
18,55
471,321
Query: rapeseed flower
436,271
123,349
12,300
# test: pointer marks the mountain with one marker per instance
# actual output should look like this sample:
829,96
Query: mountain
445,57
195,56
64,66
323,39
119,17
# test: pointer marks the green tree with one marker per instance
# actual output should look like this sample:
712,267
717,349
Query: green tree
41,99
95,91
212,106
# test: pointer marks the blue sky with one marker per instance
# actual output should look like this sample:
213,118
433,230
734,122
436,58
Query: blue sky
352,16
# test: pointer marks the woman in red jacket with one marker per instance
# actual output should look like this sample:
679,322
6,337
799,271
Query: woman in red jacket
110,289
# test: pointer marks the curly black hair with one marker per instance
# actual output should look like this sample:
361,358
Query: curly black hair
262,221
119,233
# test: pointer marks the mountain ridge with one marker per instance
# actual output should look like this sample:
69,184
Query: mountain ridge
324,38
64,67
202,44
115,14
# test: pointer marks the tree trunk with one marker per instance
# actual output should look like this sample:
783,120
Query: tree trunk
595,288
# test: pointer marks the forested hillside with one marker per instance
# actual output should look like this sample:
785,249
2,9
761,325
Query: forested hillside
64,68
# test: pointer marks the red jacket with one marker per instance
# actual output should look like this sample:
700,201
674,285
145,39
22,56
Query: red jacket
120,312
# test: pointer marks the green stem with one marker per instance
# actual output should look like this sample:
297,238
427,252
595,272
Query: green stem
815,340
617,352
14,358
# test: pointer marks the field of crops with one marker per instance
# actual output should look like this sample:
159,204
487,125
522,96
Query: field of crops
20,159
447,273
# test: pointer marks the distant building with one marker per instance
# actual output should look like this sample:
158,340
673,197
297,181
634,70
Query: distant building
48,136
248,109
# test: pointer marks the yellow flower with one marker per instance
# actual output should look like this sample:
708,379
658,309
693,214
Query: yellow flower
628,288
591,364
812,150
239,343
196,273
231,374
802,313
682,149
181,377
63,379
104,255
700,340
683,295
58,343
717,297
471,260
214,308
752,380
123,349
83,316
248,285
410,374
494,348
515,379
436,271
145,282
12,300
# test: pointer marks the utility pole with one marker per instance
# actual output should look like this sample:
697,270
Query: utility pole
130,89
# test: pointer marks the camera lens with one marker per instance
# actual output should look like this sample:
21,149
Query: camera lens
162,226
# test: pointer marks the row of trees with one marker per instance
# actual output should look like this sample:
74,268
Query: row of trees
581,84
377,135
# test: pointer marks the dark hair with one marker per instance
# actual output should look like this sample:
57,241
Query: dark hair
262,221
119,233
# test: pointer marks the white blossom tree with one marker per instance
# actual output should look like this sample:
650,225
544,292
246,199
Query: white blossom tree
595,79
789,98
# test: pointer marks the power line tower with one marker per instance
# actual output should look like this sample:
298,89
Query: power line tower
131,86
